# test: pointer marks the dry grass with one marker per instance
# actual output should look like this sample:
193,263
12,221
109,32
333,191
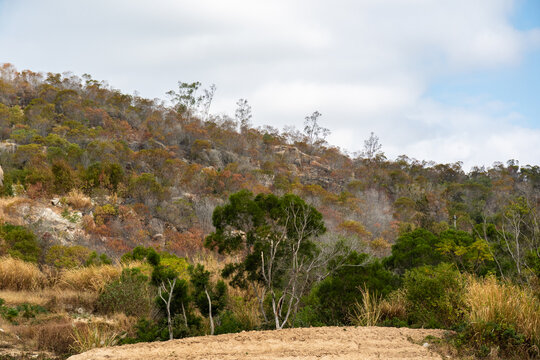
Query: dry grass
94,335
92,278
55,335
19,275
368,311
395,306
78,200
492,301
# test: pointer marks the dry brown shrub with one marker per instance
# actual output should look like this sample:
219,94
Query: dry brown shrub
54,335
92,278
394,306
17,275
78,200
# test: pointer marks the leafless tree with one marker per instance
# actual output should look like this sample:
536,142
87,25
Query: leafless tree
168,289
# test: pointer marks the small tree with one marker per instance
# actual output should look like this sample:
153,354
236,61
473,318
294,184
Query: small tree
210,298
243,115
372,147
275,236
167,289
314,133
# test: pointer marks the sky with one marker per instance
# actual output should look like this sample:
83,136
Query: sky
435,80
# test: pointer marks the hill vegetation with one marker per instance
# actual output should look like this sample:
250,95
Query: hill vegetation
215,226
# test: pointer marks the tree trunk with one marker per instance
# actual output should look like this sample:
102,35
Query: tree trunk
210,311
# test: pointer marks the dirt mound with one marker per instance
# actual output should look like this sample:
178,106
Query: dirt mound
307,343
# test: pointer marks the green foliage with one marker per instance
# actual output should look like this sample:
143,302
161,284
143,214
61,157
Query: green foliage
337,294
258,221
67,257
467,253
129,294
21,243
108,175
228,324
413,249
63,177
435,296
494,339
26,311
200,280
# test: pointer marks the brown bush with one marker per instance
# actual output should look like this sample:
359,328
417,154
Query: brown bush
78,200
92,278
16,274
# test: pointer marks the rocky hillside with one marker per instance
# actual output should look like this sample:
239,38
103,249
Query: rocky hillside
153,173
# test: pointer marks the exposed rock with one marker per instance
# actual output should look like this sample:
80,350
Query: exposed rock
45,221
55,201
156,226
8,146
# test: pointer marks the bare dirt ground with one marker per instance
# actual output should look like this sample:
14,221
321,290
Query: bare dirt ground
306,343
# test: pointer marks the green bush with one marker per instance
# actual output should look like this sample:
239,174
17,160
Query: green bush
67,257
337,294
227,323
130,294
435,296
491,338
21,243
412,249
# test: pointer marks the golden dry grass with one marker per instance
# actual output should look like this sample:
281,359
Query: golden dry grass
492,301
78,200
92,278
19,275
394,306
367,312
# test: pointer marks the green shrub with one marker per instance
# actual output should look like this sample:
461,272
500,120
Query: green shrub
130,294
228,323
21,243
67,257
337,294
435,296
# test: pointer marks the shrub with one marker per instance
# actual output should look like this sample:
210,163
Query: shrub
435,295
338,293
503,315
76,199
16,274
22,243
414,249
67,257
367,312
129,294
91,278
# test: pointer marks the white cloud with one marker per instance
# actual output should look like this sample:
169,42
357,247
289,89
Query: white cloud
366,65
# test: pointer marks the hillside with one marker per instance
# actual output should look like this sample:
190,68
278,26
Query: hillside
127,220
164,168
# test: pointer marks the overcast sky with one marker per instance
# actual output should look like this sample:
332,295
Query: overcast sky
436,80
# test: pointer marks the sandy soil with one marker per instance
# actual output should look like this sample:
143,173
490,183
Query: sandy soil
307,343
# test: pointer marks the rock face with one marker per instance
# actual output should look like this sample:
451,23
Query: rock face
46,221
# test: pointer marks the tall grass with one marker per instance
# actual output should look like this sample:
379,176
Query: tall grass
93,336
491,301
92,278
368,311
19,275
78,200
